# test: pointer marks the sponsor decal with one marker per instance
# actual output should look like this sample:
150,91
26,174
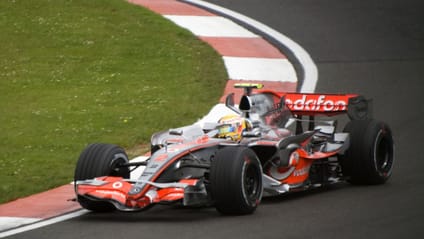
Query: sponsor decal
301,171
310,102
202,139
172,148
117,185
280,173
111,193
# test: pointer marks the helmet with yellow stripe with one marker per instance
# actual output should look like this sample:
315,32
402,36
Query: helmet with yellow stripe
233,126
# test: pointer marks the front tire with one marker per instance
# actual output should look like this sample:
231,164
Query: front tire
369,159
100,160
236,181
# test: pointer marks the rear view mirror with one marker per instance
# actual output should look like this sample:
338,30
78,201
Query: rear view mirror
229,100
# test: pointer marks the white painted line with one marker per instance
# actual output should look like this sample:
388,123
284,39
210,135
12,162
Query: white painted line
210,26
19,222
12,222
264,69
43,223
310,69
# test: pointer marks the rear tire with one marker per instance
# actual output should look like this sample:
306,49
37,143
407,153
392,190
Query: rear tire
100,160
369,159
236,181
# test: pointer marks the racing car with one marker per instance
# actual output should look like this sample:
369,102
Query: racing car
270,143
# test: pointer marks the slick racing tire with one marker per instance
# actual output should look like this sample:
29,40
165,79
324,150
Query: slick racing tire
100,160
236,181
369,159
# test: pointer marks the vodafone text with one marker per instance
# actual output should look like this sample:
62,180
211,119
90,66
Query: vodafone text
317,103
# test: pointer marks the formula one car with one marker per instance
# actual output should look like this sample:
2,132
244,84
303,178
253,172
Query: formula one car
271,143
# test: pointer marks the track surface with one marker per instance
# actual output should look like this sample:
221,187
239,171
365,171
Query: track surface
375,48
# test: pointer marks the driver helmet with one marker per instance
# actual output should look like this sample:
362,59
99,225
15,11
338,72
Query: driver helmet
232,127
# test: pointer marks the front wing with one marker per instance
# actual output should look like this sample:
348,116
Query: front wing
116,190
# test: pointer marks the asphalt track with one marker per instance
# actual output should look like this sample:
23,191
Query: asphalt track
375,48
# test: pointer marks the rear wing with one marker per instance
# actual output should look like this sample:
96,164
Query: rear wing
356,106
308,104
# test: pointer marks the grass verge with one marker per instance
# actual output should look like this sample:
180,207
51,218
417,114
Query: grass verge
77,72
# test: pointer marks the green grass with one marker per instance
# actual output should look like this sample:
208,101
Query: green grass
74,72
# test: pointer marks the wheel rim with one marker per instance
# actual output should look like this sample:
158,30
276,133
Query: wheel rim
252,184
117,171
383,154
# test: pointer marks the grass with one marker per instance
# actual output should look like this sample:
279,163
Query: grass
74,72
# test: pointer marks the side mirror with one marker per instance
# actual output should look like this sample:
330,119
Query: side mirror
229,100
